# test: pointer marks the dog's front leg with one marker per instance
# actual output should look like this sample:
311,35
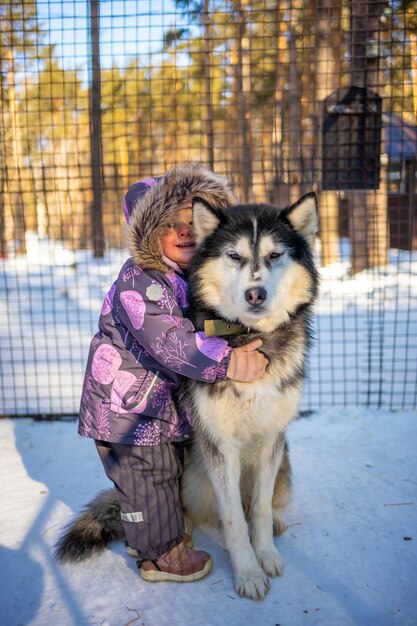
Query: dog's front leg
250,579
261,516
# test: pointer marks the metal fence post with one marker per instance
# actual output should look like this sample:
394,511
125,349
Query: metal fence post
95,133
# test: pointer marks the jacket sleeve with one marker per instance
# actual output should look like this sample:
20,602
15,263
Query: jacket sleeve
150,312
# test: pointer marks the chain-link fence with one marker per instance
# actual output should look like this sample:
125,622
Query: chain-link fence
282,96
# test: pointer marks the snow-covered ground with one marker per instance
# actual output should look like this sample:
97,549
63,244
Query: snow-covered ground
350,551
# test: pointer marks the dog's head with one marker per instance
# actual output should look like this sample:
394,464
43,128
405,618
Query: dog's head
254,263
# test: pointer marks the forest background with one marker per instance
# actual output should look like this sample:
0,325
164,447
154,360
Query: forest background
237,84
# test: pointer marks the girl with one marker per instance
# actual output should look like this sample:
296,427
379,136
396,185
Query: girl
142,349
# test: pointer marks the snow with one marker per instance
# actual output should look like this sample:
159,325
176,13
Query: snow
47,320
350,550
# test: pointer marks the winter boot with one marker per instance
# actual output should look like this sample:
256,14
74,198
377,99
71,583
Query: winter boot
181,564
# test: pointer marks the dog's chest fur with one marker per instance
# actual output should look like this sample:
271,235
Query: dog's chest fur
247,413
243,415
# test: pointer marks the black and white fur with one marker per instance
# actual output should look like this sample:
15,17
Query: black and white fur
253,265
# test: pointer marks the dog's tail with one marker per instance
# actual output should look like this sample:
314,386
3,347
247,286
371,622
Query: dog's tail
90,533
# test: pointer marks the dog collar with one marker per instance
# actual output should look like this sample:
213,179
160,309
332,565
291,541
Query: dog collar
219,328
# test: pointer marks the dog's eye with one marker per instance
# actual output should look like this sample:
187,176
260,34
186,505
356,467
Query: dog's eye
275,255
234,256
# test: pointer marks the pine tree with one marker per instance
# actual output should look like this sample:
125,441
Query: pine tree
19,36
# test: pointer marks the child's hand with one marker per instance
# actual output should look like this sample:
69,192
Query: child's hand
247,363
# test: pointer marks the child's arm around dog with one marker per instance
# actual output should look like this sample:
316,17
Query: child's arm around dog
150,310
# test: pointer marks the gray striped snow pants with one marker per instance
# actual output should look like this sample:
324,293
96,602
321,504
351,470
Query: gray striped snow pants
147,484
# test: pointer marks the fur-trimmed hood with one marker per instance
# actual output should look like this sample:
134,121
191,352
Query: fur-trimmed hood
149,205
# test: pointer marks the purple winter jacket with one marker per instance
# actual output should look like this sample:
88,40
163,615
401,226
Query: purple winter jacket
145,344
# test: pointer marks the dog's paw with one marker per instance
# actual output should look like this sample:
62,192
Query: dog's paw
252,584
270,561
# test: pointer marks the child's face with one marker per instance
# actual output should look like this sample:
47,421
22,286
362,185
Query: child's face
178,244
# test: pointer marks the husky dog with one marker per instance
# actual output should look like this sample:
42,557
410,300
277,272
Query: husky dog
253,268
252,276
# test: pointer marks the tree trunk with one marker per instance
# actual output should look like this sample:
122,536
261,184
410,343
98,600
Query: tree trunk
3,241
242,91
278,188
413,62
327,62
281,78
368,208
294,121
14,171
208,97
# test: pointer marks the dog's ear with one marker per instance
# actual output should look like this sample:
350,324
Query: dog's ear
303,216
205,219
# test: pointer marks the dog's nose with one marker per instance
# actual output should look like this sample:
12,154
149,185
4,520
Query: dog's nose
255,296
